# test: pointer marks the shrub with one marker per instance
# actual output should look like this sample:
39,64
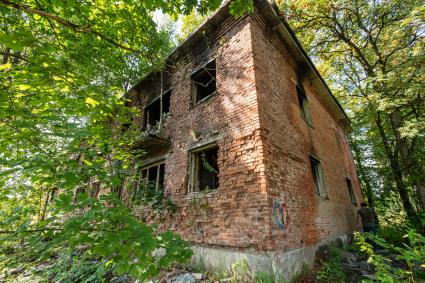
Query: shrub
331,270
412,253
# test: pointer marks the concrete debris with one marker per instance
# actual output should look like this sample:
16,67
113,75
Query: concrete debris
182,278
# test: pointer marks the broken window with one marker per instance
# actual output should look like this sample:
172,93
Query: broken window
155,109
318,176
350,191
204,169
303,104
204,82
153,176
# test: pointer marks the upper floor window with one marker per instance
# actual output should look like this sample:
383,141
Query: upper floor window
203,169
318,176
157,108
204,82
351,191
303,104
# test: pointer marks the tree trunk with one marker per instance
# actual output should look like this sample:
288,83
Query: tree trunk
6,56
411,167
396,170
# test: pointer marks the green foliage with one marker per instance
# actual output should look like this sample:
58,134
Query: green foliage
66,123
147,194
262,277
240,7
70,267
331,270
107,230
412,253
240,272
371,53
207,165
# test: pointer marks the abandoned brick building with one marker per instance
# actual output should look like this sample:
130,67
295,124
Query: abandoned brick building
245,137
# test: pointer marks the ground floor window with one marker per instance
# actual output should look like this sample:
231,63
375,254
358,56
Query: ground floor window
153,176
203,169
318,176
351,191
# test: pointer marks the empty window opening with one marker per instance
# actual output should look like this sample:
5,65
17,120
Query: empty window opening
166,102
318,176
204,82
303,104
153,176
351,191
154,111
204,170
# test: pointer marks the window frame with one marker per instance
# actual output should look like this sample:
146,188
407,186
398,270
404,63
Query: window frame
351,193
318,175
161,107
303,104
149,166
194,86
193,168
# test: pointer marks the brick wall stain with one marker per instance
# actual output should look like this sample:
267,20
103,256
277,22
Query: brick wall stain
264,147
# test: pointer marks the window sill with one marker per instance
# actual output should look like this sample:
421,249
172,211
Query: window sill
323,198
199,194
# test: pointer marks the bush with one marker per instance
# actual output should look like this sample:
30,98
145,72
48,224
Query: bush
411,253
331,270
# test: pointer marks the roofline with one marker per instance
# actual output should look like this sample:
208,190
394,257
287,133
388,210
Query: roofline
309,61
273,17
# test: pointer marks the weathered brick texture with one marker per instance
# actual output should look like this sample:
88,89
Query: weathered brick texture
264,146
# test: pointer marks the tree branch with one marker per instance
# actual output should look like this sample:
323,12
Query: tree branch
69,24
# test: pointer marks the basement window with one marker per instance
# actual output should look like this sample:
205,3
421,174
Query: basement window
318,176
154,111
153,176
351,191
204,82
204,169
303,104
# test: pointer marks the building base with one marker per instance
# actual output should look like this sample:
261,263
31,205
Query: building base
284,265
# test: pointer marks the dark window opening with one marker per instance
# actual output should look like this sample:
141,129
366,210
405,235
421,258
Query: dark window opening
153,110
303,105
351,191
153,176
318,176
204,170
204,82
166,102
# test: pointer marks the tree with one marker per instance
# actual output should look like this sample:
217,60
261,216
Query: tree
65,123
372,52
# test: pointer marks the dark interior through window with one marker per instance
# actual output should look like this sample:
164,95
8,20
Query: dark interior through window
155,176
153,110
207,169
350,191
204,81
302,100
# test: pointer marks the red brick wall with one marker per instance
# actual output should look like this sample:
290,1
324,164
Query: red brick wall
238,213
287,142
264,147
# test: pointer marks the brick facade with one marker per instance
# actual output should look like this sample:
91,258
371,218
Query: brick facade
266,199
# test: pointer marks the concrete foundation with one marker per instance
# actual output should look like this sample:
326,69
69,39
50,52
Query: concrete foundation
284,265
